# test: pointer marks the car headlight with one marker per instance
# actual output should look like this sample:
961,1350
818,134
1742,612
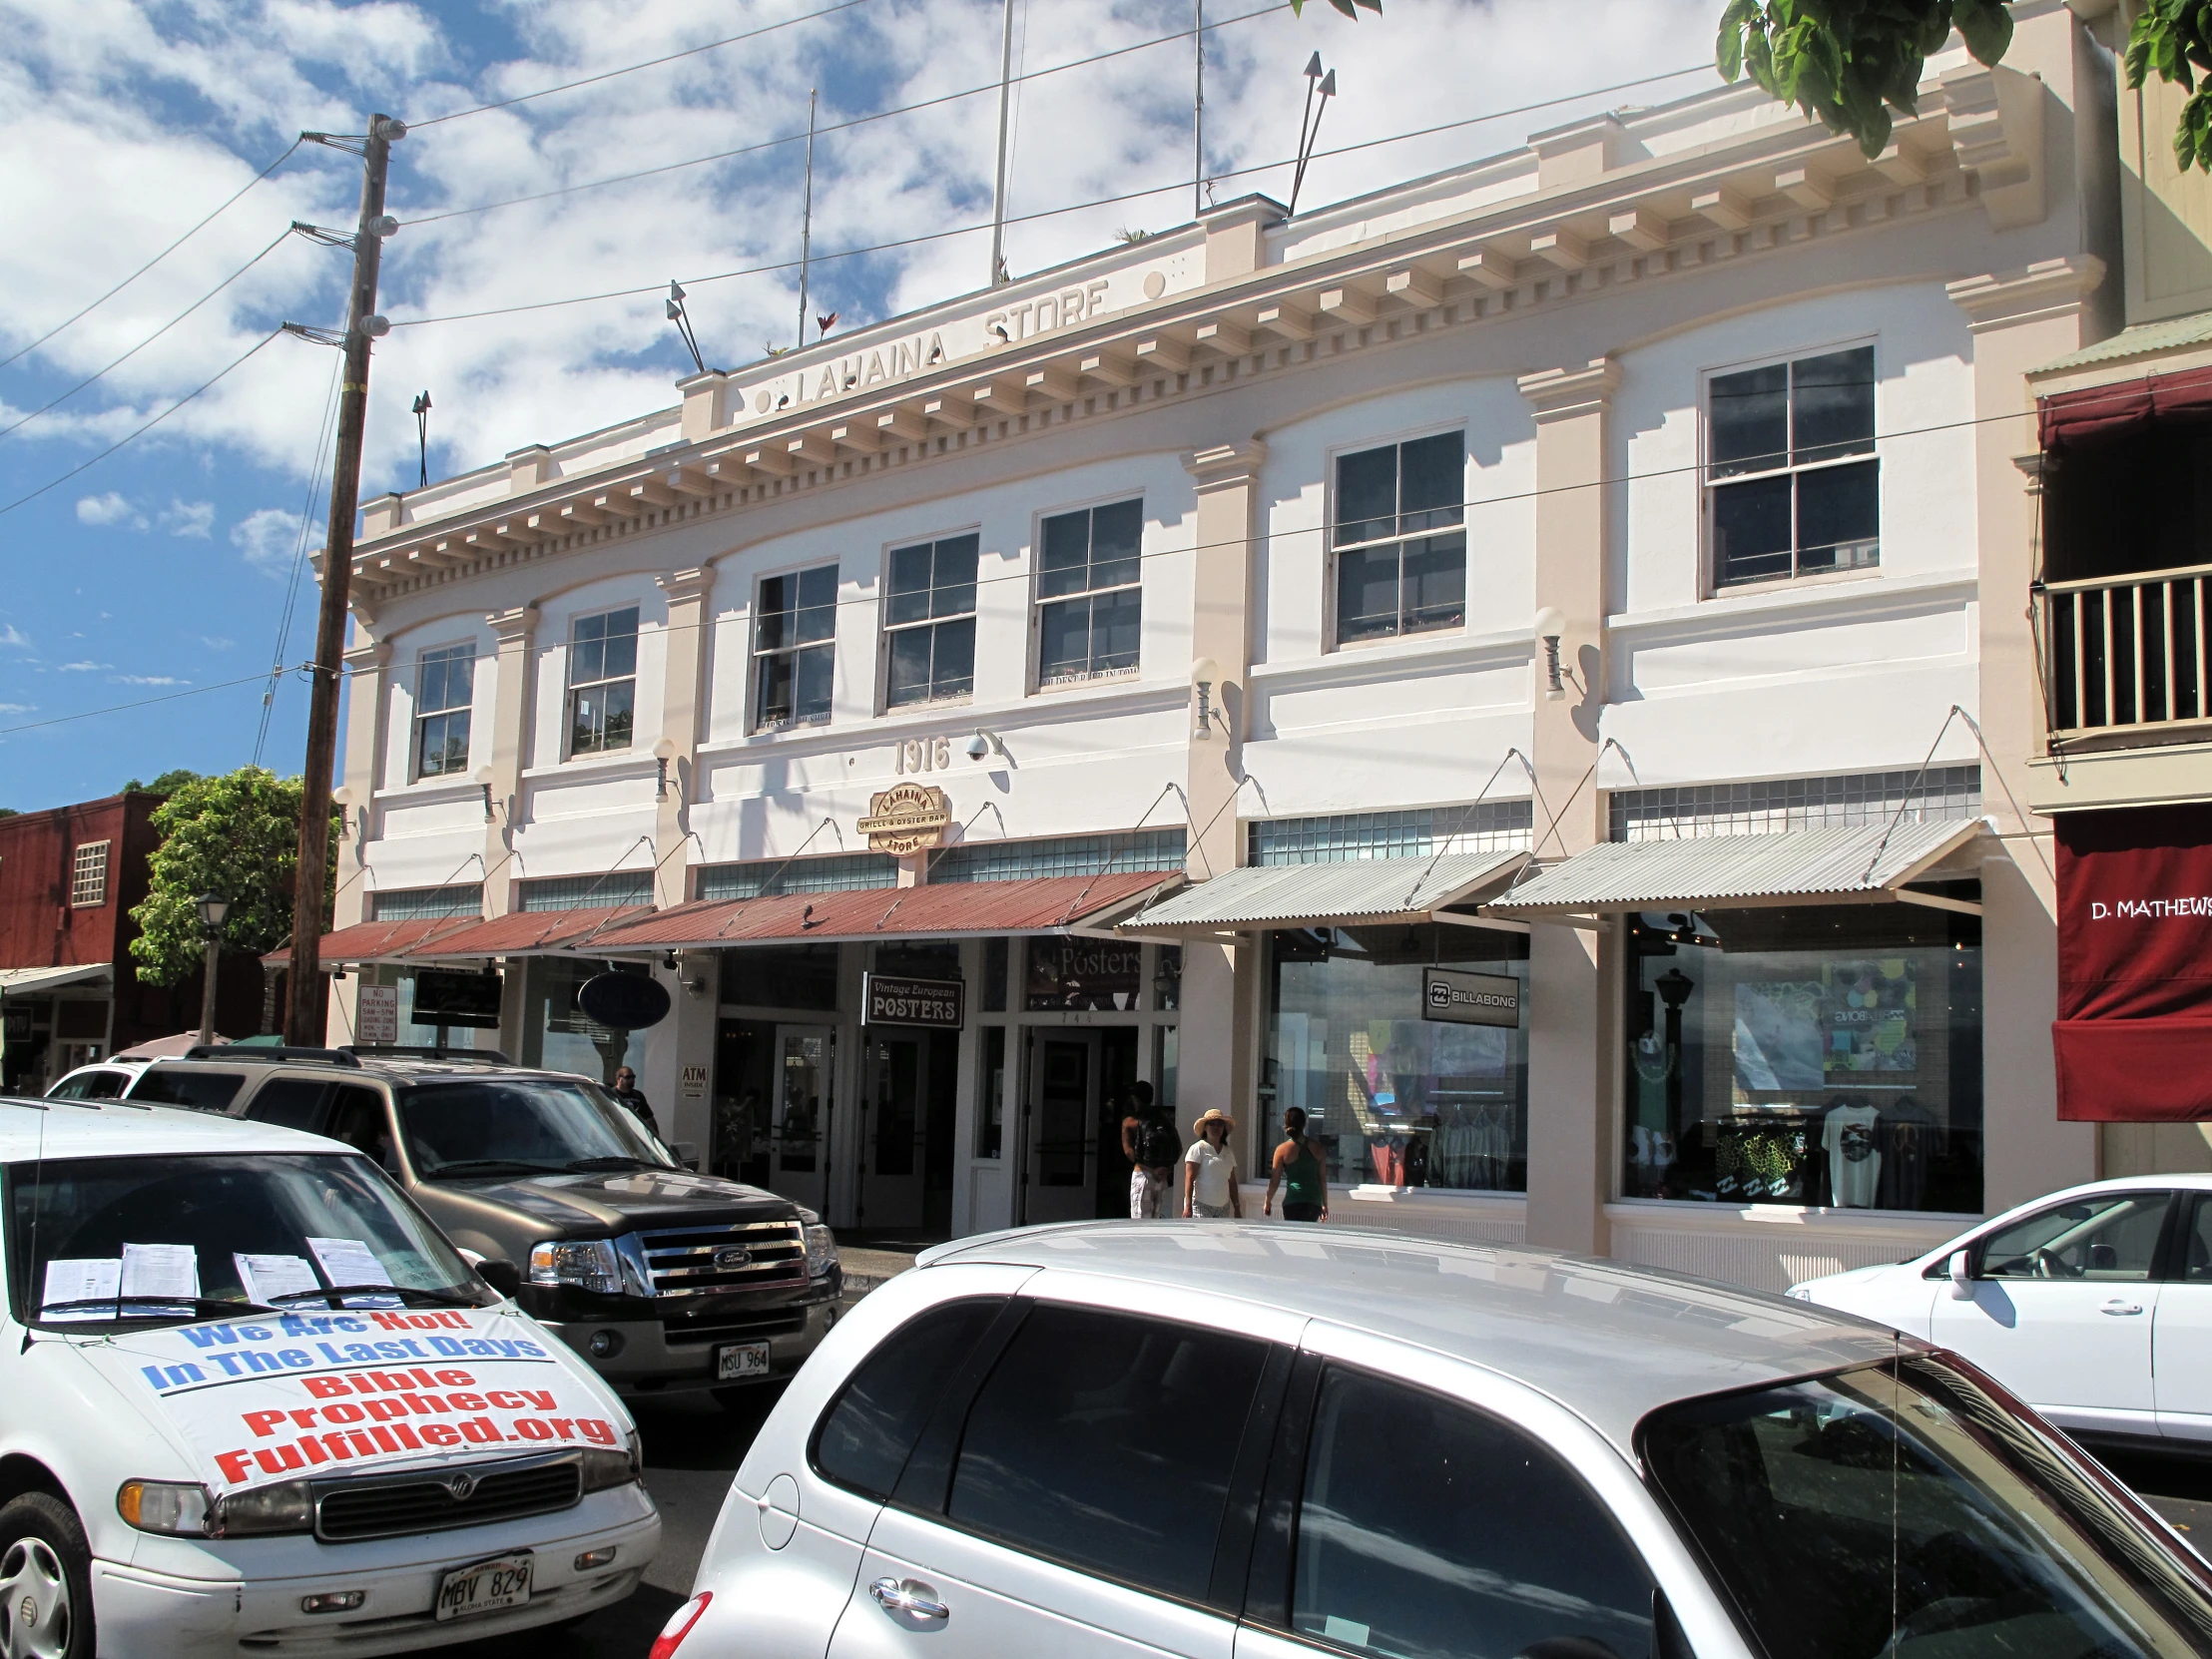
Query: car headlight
585,1264
173,1506
822,1251
602,1469
288,1506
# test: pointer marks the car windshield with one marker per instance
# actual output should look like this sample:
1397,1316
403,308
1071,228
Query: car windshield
497,1126
100,1242
1901,1511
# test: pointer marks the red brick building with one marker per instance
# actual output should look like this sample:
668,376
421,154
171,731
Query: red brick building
69,991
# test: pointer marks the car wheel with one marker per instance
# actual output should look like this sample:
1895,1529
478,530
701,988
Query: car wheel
45,1581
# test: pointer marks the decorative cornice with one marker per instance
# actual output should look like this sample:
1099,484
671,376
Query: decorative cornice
510,627
1225,466
2046,289
1563,394
681,585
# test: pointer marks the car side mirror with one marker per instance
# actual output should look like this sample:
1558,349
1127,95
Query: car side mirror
501,1275
1960,1271
686,1153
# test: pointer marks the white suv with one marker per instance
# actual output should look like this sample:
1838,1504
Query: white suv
1202,1439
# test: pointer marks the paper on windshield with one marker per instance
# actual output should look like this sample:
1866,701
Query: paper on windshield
81,1278
350,1261
322,1390
264,1279
161,1271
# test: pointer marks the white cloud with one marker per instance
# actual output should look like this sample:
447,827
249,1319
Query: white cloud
267,538
195,519
108,509
216,643
11,635
146,680
82,667
18,708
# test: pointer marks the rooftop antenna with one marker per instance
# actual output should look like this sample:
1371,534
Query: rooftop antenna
422,434
1198,111
681,318
1005,100
807,214
1326,84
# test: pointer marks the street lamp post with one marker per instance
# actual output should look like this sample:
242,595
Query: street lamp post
213,907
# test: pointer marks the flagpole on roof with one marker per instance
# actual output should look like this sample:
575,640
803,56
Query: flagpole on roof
807,214
1005,100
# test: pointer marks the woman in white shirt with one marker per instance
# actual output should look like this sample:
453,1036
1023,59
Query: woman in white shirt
1210,1169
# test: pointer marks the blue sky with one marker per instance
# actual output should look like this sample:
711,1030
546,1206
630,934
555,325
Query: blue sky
158,575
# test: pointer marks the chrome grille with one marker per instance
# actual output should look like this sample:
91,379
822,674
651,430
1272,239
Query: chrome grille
395,1506
732,1256
778,1323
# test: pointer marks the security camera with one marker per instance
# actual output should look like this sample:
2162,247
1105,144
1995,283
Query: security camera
978,746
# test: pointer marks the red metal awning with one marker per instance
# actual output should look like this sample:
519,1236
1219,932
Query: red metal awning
527,933
378,941
2070,418
1042,905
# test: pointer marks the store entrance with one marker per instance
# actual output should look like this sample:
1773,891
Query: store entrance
908,1086
1076,1095
773,1097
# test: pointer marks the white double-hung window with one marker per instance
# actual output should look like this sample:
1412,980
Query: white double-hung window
1791,481
1090,593
1401,540
602,681
795,630
930,621
444,685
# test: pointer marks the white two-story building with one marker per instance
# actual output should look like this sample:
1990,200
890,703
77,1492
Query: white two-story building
1531,665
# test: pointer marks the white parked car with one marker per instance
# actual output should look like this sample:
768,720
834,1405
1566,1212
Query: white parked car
1205,1439
255,1401
101,1080
2093,1305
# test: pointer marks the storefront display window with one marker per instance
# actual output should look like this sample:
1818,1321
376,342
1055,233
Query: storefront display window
1066,973
559,1037
990,1095
781,976
1824,1057
1394,1098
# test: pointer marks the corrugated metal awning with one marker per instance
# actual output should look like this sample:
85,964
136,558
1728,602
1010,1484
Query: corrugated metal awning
1043,904
378,941
528,932
23,982
1372,891
1873,862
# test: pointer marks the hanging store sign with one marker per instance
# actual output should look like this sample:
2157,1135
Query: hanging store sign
449,996
895,999
907,818
1084,974
1470,998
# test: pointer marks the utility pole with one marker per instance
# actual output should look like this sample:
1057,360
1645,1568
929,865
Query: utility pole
303,1003
1198,111
806,215
999,194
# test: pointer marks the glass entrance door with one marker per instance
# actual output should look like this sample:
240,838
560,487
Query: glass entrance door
1059,1112
799,1136
893,1116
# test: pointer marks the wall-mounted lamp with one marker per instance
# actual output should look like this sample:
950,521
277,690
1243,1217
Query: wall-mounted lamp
981,746
663,753
1205,676
483,781
1550,623
342,798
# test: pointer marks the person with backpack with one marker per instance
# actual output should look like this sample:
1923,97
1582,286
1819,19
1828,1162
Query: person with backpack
1149,1143
1298,1172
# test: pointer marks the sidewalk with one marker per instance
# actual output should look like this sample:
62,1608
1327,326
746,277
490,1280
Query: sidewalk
867,1266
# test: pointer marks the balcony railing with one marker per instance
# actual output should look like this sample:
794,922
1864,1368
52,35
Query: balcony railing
2127,653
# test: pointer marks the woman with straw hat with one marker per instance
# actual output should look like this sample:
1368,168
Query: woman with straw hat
1210,1169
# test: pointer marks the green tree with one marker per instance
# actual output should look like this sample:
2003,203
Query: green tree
169,782
236,835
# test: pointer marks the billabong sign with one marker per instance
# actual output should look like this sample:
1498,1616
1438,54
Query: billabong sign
895,999
1461,998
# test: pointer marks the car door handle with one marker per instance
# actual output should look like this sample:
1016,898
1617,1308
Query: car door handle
907,1595
2116,1306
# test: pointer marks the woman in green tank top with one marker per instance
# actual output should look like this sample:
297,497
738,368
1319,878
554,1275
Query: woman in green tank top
1297,1171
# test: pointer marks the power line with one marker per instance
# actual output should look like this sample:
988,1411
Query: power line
148,428
1048,213
839,127
298,558
125,708
157,259
149,339
632,69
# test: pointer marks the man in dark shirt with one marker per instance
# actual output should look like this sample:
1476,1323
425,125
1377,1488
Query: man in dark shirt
1151,1165
627,1091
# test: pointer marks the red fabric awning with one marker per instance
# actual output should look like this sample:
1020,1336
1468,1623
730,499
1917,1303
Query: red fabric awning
1038,905
2133,1038
2070,418
527,933
377,942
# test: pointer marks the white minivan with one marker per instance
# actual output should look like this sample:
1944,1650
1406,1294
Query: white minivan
257,1402
1123,1441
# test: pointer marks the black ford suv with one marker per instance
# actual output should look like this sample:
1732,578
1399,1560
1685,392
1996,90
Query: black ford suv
664,1280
